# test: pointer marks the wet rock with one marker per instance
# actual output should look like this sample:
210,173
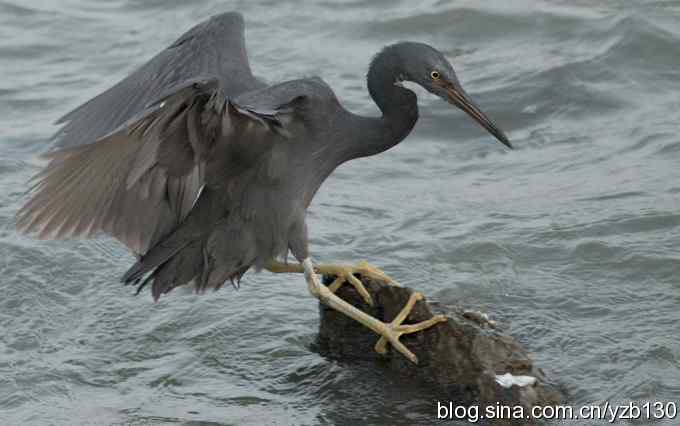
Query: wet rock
467,359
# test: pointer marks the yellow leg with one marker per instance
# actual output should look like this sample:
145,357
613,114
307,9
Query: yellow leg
390,332
343,274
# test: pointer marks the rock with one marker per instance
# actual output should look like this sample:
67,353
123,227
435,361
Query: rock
467,359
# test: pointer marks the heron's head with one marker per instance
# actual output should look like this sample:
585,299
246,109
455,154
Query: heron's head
428,67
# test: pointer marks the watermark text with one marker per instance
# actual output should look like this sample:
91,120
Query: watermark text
609,412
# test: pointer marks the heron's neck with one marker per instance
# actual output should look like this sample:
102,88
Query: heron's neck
399,107
365,136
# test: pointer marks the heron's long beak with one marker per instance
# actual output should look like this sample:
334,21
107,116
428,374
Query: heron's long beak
458,97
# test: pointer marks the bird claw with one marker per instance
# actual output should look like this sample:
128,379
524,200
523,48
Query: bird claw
345,274
395,329
389,332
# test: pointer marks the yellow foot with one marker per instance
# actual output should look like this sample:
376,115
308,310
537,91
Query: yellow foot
345,274
390,332
396,329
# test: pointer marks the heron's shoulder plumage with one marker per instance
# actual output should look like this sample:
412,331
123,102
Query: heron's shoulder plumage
313,89
215,47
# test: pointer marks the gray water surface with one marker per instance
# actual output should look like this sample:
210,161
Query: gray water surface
571,241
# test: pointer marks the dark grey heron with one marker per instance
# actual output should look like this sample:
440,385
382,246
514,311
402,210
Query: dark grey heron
204,171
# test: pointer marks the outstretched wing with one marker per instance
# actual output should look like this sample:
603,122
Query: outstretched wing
215,47
141,180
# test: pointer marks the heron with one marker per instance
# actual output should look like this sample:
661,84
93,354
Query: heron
205,171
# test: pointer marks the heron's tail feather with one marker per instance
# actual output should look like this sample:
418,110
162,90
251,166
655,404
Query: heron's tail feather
178,270
207,260
187,266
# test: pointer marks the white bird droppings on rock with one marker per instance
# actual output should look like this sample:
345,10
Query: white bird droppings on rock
507,380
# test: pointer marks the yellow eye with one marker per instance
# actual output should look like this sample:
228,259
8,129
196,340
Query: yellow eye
434,75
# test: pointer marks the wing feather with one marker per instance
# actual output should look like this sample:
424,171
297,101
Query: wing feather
141,180
213,47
